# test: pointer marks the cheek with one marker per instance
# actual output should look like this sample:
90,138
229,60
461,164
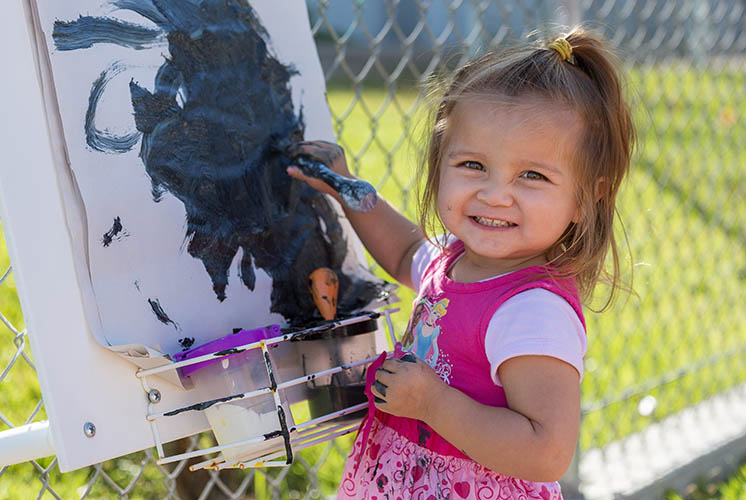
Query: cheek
443,206
561,205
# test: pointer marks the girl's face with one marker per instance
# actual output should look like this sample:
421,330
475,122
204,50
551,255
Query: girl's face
507,188
431,318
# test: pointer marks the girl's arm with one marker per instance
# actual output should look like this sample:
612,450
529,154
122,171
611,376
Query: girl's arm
390,237
534,439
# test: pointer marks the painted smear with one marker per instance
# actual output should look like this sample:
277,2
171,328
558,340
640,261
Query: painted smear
116,233
87,31
201,406
155,305
214,131
103,140
422,435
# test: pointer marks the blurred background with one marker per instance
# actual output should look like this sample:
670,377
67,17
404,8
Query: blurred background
664,391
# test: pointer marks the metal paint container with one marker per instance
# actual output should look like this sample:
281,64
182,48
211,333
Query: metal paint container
235,374
335,347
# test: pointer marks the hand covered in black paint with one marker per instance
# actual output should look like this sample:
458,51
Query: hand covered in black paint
330,154
407,387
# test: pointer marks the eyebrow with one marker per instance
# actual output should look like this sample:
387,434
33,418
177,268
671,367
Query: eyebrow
464,152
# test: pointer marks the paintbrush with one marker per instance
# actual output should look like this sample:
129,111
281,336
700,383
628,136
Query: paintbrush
357,194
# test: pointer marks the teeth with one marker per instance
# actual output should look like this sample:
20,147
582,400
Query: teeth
493,222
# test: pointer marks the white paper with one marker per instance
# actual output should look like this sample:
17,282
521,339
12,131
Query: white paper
145,265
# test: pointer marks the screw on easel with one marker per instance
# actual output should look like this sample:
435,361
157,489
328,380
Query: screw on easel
89,429
154,396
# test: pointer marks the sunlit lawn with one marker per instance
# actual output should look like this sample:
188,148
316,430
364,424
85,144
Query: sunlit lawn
680,338
733,488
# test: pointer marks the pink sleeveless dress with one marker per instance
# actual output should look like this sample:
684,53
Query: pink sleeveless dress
399,458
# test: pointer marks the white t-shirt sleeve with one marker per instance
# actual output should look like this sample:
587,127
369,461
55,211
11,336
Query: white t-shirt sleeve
535,322
424,254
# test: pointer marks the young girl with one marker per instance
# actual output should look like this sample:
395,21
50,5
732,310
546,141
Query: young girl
524,162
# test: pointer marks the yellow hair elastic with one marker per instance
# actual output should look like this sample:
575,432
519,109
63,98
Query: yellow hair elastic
563,47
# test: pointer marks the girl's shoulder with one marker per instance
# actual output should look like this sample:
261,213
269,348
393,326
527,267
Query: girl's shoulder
536,321
428,251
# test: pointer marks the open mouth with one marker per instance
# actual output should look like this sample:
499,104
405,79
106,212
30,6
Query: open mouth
484,221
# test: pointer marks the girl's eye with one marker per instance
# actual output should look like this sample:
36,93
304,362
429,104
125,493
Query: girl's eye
472,165
533,176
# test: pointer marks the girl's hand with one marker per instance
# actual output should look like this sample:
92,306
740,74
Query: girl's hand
330,154
407,388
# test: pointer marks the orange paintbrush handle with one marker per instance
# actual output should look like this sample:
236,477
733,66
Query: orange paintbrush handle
324,287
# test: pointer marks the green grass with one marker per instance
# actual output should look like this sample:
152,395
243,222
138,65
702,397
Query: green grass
733,488
679,338
15,404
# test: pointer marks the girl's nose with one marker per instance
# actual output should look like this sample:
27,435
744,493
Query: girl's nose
496,193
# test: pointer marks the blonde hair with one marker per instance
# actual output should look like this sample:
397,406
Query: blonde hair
439,307
588,83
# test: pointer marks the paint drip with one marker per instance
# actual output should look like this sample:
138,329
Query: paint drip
155,305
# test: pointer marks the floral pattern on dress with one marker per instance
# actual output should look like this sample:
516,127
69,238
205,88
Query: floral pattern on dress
394,468
443,368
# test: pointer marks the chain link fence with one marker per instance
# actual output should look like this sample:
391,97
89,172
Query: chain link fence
674,344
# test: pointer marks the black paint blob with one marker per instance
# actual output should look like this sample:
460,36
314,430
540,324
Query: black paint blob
115,233
186,343
214,131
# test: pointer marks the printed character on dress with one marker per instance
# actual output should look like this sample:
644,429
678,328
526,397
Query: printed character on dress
526,154
426,331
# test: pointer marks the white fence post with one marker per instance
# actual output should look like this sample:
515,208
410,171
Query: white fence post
26,442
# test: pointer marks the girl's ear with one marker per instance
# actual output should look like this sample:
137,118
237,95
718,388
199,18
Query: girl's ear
576,215
600,188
